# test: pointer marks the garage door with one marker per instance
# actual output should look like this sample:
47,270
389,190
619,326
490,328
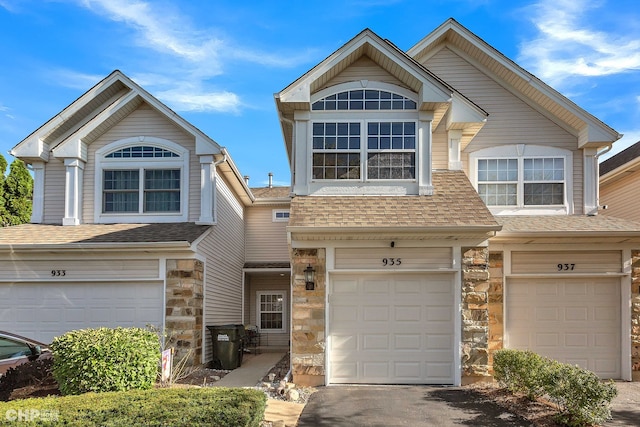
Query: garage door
575,321
391,329
44,311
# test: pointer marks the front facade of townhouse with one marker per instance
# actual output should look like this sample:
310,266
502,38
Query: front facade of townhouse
445,199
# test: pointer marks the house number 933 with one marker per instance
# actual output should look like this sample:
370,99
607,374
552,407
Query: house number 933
58,273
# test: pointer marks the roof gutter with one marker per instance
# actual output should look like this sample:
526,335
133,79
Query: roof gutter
379,230
102,246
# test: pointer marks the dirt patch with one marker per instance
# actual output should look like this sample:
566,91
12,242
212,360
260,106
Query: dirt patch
539,413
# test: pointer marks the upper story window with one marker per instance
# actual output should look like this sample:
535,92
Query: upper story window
339,150
528,179
364,99
280,215
521,182
141,179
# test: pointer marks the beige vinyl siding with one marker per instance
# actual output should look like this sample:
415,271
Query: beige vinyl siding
396,258
510,121
571,262
78,269
266,240
144,121
364,69
621,197
54,183
268,282
440,147
224,252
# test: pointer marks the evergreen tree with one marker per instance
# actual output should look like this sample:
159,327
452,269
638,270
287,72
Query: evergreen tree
18,191
3,169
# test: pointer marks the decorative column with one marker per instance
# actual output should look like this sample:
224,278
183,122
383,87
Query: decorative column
184,309
475,315
308,337
207,187
37,211
73,191
423,160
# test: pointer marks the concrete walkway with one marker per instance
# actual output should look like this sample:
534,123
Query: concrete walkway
251,372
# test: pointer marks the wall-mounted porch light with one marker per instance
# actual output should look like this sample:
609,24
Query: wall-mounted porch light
309,274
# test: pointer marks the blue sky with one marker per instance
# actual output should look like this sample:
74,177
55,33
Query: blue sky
218,63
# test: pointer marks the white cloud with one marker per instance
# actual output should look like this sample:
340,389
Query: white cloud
186,99
73,79
568,45
191,57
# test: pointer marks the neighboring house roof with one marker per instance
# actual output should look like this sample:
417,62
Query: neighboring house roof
590,130
96,111
29,235
629,155
566,225
271,192
454,205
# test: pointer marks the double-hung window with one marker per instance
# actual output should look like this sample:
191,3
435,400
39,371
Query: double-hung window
522,181
141,179
271,307
364,147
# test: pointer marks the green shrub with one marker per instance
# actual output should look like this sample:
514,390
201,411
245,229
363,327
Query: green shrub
105,359
582,398
221,407
520,372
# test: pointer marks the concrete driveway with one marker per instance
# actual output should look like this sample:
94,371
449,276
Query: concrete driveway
373,406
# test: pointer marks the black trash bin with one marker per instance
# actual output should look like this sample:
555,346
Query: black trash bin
227,345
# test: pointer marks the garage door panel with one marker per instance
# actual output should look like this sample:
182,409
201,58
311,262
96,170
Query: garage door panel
43,311
392,335
573,320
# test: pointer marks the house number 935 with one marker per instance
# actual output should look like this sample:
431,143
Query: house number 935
391,261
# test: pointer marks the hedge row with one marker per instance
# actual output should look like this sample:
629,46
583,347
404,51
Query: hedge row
223,407
582,398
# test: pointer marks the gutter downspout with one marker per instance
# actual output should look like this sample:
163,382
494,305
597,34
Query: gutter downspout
293,147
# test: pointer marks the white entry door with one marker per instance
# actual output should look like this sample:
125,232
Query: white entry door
573,320
391,329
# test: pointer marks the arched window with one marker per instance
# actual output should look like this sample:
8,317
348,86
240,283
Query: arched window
364,99
141,178
364,133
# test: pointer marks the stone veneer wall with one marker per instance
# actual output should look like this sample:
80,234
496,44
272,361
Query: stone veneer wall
308,336
496,305
635,315
184,310
475,315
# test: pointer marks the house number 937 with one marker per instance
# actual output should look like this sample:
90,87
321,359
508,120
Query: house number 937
566,267
391,261
58,273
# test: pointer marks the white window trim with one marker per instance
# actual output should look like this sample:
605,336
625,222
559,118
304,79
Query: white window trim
364,120
275,213
284,311
103,163
520,152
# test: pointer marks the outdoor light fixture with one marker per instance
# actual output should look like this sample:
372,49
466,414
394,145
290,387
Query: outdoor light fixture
309,274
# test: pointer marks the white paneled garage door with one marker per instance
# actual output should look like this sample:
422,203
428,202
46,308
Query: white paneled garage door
391,329
573,320
43,310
